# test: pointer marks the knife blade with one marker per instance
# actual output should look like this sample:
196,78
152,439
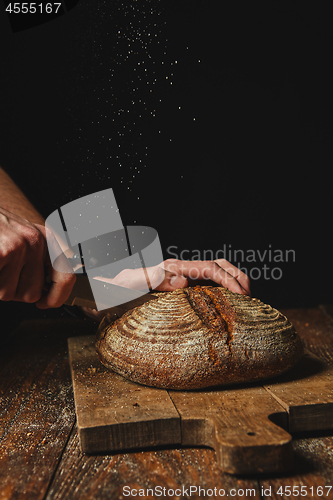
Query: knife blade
125,298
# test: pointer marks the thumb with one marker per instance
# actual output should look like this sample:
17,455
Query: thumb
174,282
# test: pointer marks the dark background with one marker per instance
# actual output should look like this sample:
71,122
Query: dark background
211,121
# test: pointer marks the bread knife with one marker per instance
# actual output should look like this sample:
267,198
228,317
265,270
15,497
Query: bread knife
81,295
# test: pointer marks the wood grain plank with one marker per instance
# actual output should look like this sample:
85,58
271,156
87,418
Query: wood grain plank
239,423
235,422
161,473
312,476
327,309
36,406
315,328
313,472
114,413
306,392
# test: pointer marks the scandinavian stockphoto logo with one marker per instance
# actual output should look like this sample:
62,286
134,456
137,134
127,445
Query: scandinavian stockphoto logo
92,228
239,257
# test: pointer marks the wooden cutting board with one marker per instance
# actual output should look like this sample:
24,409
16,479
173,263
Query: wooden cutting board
246,425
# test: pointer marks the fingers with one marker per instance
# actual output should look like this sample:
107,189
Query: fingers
241,277
32,275
219,271
60,273
171,282
61,287
30,284
9,278
21,263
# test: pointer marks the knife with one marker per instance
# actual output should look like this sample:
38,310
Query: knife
126,298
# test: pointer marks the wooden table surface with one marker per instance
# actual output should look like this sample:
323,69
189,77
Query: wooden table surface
40,457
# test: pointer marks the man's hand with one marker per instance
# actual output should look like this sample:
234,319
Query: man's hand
182,273
24,263
173,273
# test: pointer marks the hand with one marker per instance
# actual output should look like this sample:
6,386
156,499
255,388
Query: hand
182,273
24,261
172,274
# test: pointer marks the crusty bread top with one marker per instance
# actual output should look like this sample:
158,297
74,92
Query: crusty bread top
198,337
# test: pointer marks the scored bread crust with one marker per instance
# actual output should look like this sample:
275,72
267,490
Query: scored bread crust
198,337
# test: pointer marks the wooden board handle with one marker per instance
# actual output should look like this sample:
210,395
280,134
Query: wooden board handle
238,424
246,425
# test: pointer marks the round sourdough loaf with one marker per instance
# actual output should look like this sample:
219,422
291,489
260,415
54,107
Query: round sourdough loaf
198,337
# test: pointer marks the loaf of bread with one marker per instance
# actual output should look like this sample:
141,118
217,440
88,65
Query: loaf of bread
198,337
